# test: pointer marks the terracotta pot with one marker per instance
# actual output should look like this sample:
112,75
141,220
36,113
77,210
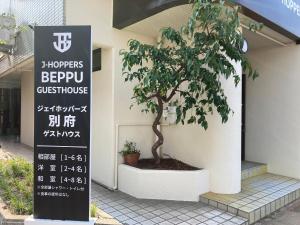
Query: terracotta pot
132,159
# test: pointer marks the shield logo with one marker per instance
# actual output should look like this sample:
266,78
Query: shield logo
63,42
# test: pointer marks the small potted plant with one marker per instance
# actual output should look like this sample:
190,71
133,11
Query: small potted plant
130,153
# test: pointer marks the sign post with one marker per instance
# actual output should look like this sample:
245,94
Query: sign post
62,125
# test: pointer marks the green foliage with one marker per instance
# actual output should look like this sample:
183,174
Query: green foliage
93,210
13,26
190,63
129,148
16,184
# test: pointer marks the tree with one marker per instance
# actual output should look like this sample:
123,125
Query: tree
190,63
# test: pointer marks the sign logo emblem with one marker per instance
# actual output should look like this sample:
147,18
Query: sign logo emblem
63,42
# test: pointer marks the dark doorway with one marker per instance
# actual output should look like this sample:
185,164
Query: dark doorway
10,102
243,116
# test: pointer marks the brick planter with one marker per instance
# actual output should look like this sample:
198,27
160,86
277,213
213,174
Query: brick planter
7,218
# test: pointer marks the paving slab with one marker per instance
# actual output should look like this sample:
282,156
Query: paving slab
131,211
260,196
11,145
252,169
289,215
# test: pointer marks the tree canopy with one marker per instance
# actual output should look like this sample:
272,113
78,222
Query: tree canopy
190,63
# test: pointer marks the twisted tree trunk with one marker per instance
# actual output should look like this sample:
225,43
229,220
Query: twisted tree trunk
160,139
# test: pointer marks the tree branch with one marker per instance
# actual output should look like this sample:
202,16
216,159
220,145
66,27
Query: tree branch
160,138
173,92
185,93
151,96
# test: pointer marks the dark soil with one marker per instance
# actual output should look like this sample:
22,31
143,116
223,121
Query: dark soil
165,164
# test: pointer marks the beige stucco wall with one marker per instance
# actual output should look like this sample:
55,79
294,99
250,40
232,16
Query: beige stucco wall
102,120
273,109
217,150
110,96
27,113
